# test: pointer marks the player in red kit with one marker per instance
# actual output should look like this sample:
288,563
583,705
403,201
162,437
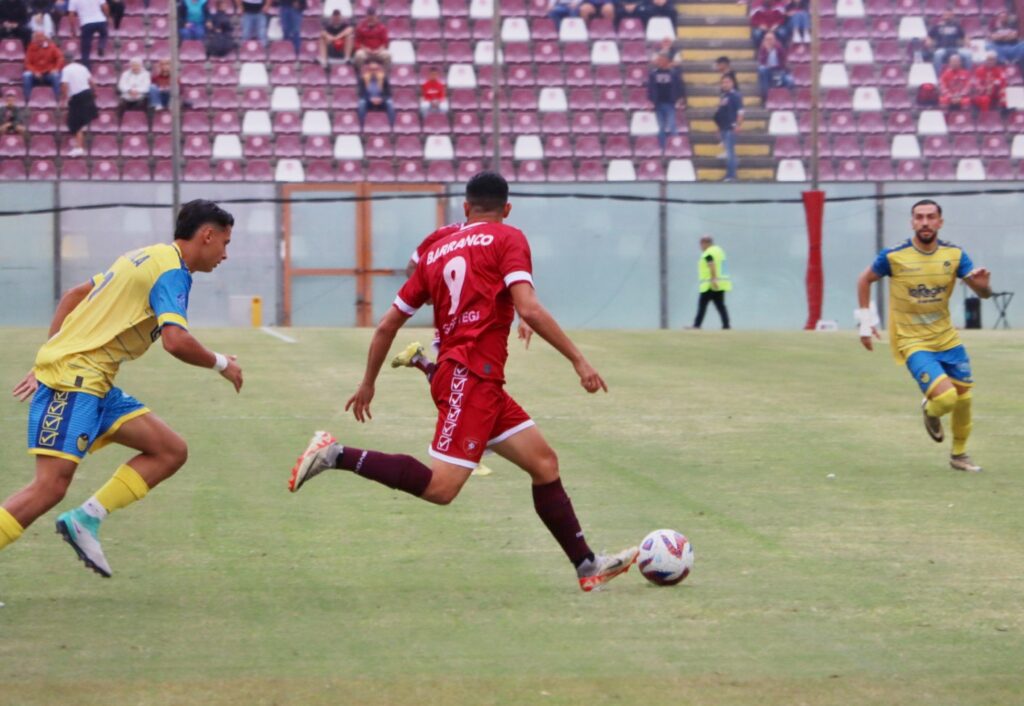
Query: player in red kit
478,276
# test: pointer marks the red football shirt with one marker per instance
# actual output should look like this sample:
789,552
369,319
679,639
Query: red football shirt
467,273
441,232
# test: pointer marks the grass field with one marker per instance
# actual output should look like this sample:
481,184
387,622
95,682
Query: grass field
898,581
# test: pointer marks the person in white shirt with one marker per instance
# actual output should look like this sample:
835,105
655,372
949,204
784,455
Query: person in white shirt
43,23
91,16
133,88
76,88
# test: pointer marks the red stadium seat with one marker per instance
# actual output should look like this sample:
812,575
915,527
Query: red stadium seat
135,146
14,146
74,170
257,146
531,171
258,170
588,147
42,170
561,170
379,147
411,172
319,171
554,124
941,170
136,170
880,170
350,171
557,147
287,147
440,171
12,170
468,147
909,170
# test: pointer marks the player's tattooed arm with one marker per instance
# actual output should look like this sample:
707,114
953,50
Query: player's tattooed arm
979,280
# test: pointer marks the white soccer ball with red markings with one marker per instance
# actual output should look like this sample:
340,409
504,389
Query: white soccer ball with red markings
666,557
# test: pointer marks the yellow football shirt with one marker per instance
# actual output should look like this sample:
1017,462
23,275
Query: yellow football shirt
919,291
117,321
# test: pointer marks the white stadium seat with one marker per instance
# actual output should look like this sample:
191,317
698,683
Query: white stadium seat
970,169
834,76
605,52
481,9
274,32
483,54
227,147
866,99
1017,148
316,122
285,98
256,122
681,170
782,122
932,122
289,170
253,75
573,29
643,123
621,170
660,28
858,51
461,76
425,10
528,147
331,5
552,100
402,51
348,147
849,8
920,73
515,29
1015,97
791,170
912,27
438,147
905,147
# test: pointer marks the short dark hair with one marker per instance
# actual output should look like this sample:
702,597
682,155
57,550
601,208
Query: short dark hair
195,214
487,192
722,60
926,202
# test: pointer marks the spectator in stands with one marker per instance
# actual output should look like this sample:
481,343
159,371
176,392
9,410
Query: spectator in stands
798,21
946,38
990,84
220,31
372,40
955,85
77,90
772,71
337,39
729,119
133,88
558,10
192,18
591,8
633,9
290,14
41,23
764,19
724,68
661,8
117,10
43,62
54,10
1004,39
12,116
433,97
254,19
160,86
90,16
14,21
374,92
664,90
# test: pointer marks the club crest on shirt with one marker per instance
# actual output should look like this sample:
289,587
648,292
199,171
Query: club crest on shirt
925,377
83,442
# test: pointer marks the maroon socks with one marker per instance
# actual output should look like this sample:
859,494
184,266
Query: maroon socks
555,510
397,471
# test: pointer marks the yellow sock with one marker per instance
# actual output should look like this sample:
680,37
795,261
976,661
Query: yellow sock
961,423
10,528
122,490
941,404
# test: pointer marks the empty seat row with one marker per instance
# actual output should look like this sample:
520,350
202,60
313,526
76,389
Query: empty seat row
966,169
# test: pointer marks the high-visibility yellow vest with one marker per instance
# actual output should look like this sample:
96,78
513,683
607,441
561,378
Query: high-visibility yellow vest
724,283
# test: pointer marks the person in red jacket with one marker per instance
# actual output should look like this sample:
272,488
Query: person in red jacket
955,85
433,96
990,84
43,62
372,40
765,18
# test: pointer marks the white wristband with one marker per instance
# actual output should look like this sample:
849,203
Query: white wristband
867,319
221,362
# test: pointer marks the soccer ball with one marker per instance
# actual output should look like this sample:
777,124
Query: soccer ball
666,557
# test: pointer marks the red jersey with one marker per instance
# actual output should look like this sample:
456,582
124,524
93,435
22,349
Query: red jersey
432,90
467,273
441,232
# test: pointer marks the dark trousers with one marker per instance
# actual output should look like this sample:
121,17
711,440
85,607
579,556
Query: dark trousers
702,306
88,31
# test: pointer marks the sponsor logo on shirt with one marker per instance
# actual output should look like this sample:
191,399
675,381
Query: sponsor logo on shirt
923,293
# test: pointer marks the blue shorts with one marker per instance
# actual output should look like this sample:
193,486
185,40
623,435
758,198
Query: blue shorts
927,367
70,424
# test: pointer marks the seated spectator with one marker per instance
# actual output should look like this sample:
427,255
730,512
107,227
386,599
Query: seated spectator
990,84
289,12
955,85
220,39
41,23
432,94
946,38
12,116
1004,39
724,67
772,70
661,8
665,89
591,8
133,88
629,9
371,42
54,10
254,20
14,21
798,21
43,62
764,19
77,89
558,10
192,17
374,92
160,86
337,39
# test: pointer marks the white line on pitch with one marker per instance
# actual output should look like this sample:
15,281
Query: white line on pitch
278,335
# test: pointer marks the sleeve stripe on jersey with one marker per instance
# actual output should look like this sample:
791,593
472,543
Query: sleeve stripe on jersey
415,257
170,318
518,276
403,307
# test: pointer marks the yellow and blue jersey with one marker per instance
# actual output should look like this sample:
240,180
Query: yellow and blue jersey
919,293
117,321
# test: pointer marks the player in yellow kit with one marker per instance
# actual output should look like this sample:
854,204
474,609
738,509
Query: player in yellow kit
75,409
923,271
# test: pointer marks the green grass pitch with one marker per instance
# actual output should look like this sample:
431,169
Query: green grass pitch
898,581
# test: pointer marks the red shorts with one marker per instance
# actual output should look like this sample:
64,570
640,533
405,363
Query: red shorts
472,414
